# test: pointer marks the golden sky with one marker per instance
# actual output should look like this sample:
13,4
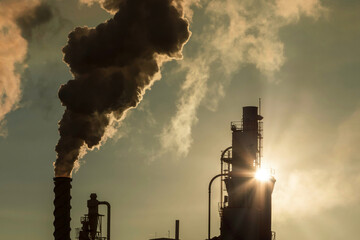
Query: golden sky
301,57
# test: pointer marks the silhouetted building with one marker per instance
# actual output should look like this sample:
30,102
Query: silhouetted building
246,209
92,222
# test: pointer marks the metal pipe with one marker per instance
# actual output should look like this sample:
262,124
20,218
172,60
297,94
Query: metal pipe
225,151
209,210
222,171
177,227
108,218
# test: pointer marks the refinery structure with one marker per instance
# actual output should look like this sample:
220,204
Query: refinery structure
245,209
246,192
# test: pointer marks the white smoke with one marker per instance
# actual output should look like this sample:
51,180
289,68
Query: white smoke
177,136
237,33
13,49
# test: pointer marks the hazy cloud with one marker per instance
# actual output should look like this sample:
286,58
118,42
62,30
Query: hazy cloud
14,21
33,18
309,192
292,10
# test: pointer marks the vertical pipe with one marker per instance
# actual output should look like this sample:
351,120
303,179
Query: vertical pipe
221,183
177,229
62,208
209,207
268,207
227,150
108,218
209,212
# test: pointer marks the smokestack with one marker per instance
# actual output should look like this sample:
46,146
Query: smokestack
177,228
62,208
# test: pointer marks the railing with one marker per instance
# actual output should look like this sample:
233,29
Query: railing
98,235
227,156
236,125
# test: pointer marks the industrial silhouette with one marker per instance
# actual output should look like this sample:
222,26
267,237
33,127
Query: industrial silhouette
177,233
92,222
245,208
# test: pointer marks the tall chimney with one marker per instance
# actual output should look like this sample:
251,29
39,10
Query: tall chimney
62,208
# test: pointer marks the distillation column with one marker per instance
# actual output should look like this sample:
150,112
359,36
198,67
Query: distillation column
246,214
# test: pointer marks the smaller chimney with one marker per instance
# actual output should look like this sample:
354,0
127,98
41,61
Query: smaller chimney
177,229
93,214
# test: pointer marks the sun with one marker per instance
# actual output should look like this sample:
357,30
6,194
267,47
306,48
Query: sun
263,175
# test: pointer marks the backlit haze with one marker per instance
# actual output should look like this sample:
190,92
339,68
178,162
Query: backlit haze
301,57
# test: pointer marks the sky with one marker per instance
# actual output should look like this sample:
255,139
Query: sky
300,57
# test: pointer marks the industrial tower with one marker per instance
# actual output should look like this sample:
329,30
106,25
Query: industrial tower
92,222
246,207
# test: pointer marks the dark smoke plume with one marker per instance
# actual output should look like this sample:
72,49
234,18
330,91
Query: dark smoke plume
113,64
33,18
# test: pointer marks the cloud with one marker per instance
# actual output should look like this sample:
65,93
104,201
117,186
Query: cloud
33,18
13,50
292,10
235,33
305,192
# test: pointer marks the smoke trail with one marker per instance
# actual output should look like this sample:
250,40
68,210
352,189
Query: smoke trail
33,18
236,33
113,64
175,136
17,19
